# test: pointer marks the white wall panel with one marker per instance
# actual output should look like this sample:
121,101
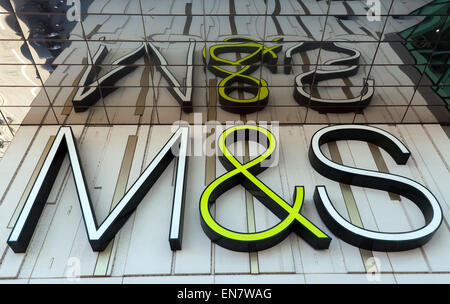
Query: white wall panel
141,248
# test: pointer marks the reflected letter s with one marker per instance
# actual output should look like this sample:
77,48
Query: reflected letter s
357,236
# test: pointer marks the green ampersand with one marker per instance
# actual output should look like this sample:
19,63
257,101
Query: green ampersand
257,53
245,174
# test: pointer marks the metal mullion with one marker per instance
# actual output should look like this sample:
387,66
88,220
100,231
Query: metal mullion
378,45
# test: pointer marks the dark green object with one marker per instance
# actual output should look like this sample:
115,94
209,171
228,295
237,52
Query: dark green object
429,42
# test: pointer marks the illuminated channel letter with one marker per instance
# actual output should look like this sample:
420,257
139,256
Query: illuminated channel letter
100,235
363,238
245,174
350,67
257,53
88,93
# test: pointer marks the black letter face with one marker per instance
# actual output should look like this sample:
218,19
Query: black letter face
363,238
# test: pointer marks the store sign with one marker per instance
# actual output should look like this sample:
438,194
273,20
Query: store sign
236,75
245,174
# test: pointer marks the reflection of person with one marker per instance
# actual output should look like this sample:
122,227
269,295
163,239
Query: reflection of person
42,27
45,30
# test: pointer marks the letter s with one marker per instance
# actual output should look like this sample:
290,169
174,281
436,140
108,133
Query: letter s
363,238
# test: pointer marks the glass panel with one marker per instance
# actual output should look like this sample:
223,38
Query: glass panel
133,61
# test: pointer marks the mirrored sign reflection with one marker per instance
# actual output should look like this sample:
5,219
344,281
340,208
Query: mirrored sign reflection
152,62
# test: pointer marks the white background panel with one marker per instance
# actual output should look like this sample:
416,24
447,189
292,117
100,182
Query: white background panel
141,247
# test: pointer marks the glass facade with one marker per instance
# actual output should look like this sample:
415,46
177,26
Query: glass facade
116,77
109,62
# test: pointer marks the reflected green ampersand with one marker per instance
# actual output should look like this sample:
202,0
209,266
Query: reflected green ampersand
257,53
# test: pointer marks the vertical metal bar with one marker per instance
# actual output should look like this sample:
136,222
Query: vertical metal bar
350,204
210,167
251,224
382,167
104,257
31,182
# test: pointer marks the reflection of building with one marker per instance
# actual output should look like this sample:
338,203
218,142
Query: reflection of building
133,57
429,42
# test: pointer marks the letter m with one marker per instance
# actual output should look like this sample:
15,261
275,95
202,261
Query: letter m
100,235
